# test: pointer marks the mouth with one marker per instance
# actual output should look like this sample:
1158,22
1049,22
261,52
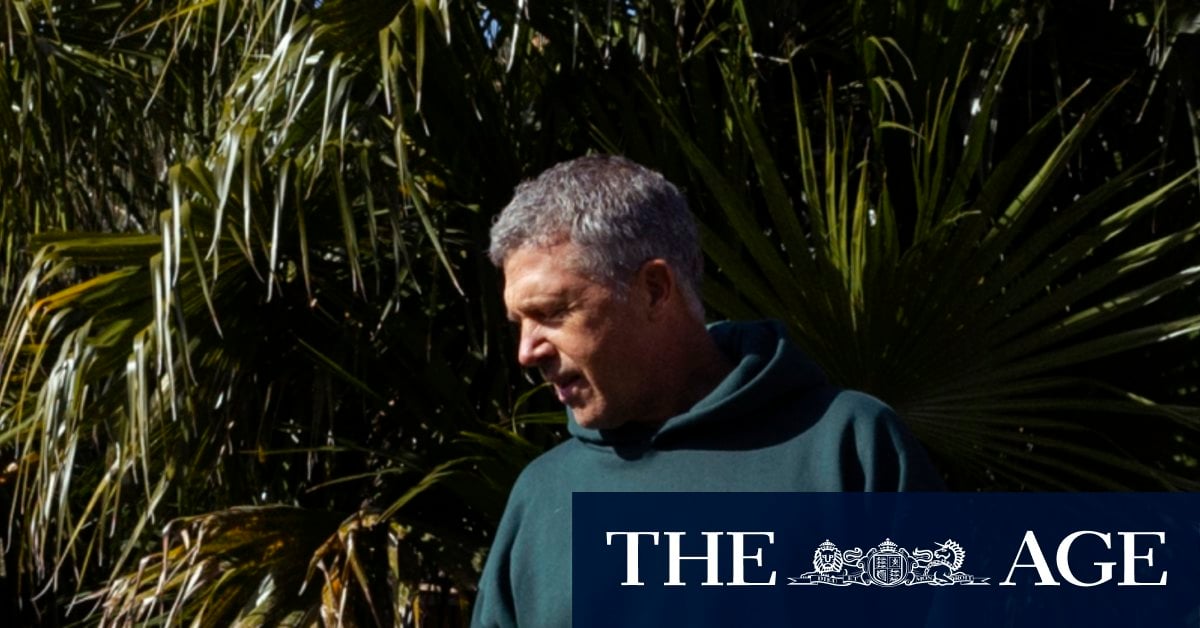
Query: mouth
568,388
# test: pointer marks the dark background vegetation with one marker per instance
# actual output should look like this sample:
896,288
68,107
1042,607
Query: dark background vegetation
255,367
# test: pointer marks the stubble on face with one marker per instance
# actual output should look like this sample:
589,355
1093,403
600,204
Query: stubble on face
577,331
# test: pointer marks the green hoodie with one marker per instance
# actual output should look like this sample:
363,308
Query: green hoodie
774,424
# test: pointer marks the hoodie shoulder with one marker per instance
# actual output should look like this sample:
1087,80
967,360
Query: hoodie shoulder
889,457
548,467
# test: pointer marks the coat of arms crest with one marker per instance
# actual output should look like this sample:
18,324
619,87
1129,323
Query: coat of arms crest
888,565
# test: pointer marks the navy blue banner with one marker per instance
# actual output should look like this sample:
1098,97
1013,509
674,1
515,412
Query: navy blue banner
886,560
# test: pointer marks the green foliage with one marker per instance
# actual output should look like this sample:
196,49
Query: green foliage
246,298
970,326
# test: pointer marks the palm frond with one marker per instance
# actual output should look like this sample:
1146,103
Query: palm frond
991,290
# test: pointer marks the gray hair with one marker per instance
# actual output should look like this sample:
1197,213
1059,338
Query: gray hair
619,213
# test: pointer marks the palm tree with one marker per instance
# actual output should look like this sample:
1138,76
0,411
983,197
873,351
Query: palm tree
255,367
138,382
961,274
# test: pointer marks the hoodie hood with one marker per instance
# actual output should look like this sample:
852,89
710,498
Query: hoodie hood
766,366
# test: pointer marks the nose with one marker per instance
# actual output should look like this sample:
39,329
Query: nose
534,348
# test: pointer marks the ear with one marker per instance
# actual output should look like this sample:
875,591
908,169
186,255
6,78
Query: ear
657,282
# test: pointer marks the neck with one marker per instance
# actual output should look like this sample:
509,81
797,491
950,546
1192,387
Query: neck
712,366
691,372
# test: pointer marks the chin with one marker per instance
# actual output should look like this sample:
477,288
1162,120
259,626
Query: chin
591,424
594,422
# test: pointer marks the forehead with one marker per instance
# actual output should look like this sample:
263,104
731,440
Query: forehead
537,272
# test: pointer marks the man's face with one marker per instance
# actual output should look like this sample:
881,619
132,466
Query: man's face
580,333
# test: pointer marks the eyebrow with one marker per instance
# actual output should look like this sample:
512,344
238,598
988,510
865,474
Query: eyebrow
540,302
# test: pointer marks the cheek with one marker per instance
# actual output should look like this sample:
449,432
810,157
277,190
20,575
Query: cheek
574,347
615,359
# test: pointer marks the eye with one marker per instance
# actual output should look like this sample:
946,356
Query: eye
553,315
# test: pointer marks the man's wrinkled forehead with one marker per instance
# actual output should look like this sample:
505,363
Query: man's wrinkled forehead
536,273
566,256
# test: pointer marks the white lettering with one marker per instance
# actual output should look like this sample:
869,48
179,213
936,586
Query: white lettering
740,556
710,558
1064,558
1130,541
1030,543
631,554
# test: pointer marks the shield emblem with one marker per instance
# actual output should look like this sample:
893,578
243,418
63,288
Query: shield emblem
888,568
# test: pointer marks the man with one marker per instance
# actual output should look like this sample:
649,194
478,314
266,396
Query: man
602,272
